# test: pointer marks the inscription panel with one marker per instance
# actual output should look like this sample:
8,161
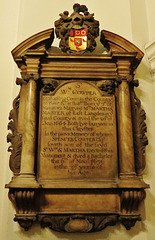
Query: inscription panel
77,133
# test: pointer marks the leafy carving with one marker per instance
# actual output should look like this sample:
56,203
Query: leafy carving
140,139
14,138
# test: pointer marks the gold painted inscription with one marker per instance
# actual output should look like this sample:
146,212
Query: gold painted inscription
77,133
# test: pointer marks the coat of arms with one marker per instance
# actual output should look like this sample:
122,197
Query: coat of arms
77,31
78,39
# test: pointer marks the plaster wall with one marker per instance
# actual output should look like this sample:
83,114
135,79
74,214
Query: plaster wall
20,19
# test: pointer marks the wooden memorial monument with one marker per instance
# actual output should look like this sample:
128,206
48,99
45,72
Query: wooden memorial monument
77,129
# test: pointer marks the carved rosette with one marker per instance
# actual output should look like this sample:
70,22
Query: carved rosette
14,138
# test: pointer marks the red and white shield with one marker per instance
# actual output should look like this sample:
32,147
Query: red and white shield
78,39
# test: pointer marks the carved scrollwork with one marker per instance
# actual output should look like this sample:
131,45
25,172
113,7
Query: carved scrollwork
140,139
49,85
77,223
14,138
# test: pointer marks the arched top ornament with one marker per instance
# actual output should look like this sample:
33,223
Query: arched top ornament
116,43
34,45
37,45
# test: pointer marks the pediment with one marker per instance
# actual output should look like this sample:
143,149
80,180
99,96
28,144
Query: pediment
37,45
34,45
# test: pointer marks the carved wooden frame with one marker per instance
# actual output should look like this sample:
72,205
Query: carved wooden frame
114,75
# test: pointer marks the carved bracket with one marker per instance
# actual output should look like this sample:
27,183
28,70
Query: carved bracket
24,202
130,200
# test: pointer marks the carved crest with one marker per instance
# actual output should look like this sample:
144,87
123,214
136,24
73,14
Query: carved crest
77,31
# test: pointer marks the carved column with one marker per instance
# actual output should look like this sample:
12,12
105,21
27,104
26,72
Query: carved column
126,148
28,118
29,134
125,132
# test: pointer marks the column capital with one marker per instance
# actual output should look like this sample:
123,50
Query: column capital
30,76
26,77
129,79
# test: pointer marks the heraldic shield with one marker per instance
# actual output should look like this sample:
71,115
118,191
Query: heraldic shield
78,39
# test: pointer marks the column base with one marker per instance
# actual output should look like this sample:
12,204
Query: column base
23,181
131,181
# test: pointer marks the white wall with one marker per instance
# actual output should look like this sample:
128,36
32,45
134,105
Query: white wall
132,19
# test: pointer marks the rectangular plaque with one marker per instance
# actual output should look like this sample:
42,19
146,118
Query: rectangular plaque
77,133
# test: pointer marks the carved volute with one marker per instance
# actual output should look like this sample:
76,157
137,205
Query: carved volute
77,129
